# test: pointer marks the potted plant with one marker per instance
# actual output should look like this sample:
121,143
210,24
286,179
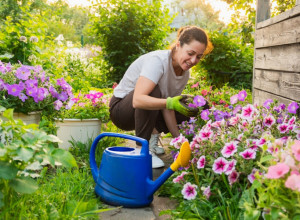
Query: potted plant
83,120
29,90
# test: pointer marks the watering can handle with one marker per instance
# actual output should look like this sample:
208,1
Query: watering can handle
94,168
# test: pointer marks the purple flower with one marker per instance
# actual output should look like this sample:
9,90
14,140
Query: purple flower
31,83
219,115
189,191
23,73
206,192
53,91
199,100
205,114
1,84
31,91
23,97
292,108
14,89
242,95
220,165
267,103
57,104
63,96
237,109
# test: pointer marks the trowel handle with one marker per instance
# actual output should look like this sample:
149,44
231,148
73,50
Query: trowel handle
94,168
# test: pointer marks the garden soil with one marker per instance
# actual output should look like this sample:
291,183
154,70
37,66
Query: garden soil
158,204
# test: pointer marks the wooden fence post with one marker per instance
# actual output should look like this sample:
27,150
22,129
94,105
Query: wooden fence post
263,10
298,2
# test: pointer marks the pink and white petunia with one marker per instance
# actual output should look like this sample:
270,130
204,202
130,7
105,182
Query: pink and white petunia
206,134
189,191
206,191
283,128
248,154
234,120
292,120
234,99
269,121
229,149
277,171
230,167
251,176
176,142
233,177
220,165
248,112
179,178
201,162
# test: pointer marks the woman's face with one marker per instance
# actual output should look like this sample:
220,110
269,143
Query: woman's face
188,55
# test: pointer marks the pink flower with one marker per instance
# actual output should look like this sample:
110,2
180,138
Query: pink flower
204,92
115,85
292,120
201,162
189,191
195,85
232,178
205,134
283,128
176,142
206,191
180,177
242,95
234,120
269,121
230,167
251,176
277,171
261,142
248,154
234,99
296,149
220,165
248,112
293,182
229,149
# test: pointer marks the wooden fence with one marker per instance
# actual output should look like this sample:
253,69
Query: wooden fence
276,72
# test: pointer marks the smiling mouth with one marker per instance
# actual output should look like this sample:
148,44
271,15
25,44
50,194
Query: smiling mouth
189,65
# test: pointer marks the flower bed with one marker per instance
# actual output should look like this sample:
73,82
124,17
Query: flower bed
231,147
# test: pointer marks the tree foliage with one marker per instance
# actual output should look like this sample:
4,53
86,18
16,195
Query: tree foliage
127,29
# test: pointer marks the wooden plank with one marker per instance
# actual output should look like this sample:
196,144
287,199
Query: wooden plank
285,32
259,97
262,10
282,58
283,16
284,83
298,2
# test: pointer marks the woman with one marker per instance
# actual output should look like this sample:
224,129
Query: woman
147,98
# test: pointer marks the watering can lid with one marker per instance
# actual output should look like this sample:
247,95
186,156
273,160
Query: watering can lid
124,151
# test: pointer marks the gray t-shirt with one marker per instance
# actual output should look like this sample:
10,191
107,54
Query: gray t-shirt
156,66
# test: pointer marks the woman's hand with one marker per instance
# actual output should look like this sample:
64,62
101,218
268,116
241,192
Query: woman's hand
175,104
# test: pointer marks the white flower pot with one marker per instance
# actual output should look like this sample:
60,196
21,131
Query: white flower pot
79,130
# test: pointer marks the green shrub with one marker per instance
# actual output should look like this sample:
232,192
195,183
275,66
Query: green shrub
126,29
229,62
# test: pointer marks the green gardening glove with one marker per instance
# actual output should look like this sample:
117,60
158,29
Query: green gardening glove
175,104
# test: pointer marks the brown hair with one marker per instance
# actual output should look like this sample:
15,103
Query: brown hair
187,34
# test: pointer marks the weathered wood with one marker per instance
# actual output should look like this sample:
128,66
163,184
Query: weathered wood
259,97
282,58
298,2
285,32
284,83
283,16
262,10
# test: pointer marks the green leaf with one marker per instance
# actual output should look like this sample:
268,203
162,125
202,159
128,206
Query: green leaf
1,199
25,154
256,184
8,113
266,158
64,157
7,170
54,138
24,185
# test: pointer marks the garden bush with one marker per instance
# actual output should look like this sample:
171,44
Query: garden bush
127,29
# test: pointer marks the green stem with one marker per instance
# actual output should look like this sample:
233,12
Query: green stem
23,52
195,175
227,186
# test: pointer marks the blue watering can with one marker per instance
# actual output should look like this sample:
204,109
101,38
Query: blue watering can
124,177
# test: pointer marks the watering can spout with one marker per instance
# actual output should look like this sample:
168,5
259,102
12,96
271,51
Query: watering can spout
181,161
